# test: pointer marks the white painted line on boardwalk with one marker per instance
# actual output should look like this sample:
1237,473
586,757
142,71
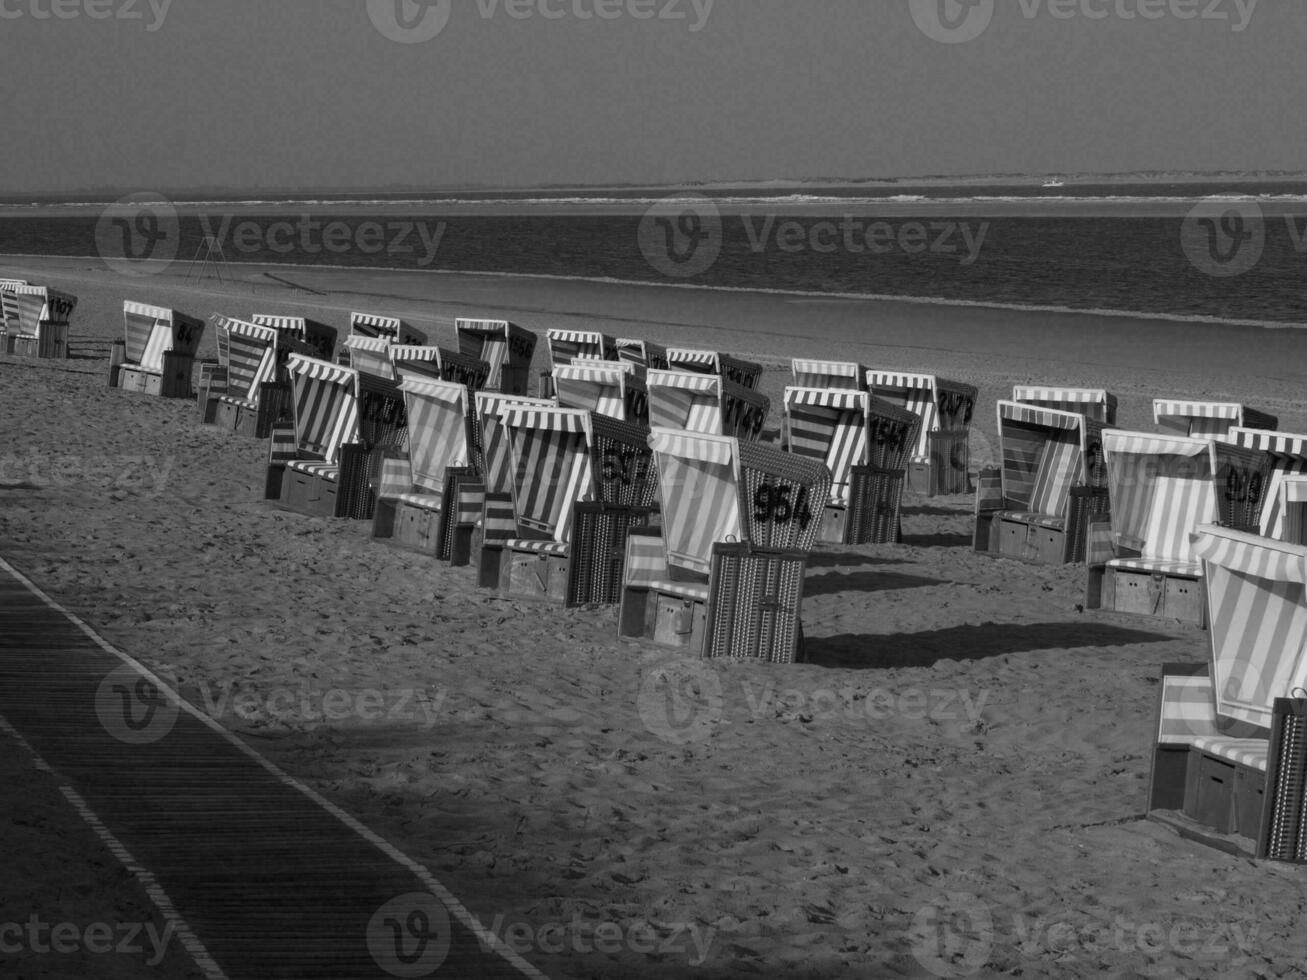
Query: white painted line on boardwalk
178,925
486,938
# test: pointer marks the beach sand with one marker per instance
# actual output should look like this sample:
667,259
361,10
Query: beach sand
964,745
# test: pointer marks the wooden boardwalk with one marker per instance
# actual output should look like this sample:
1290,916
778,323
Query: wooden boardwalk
263,878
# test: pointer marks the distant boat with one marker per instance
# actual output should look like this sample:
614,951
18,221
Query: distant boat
1054,183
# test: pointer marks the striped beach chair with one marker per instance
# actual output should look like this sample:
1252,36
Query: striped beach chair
157,353
36,320
580,481
1216,419
1052,479
566,346
747,374
706,403
610,388
8,310
243,394
317,464
941,460
642,353
1230,763
810,373
415,502
1094,403
1288,454
390,328
1141,558
723,576
369,355
505,347
864,442
432,361
316,338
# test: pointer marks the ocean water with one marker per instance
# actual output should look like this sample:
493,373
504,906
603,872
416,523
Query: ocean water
1223,251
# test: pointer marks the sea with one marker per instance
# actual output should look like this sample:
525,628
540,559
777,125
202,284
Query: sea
1230,250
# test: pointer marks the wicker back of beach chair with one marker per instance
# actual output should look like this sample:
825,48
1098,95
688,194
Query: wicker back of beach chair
1288,453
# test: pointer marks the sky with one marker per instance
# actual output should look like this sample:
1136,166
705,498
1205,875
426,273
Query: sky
169,94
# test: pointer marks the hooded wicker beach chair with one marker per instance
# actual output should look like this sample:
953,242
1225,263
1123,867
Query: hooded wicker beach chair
157,353
865,443
370,325
1141,559
429,360
706,403
8,310
610,388
318,465
1230,753
723,576
747,374
1216,419
642,353
38,325
567,346
1095,403
809,373
1053,478
941,460
415,502
580,481
243,393
1288,454
318,339
505,347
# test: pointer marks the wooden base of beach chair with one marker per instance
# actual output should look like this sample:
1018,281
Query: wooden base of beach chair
117,355
666,618
346,495
174,381
274,405
1178,597
50,342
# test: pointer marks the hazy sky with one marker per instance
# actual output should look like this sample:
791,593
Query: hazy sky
313,92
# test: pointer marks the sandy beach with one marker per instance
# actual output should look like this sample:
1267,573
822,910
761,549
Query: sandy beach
963,744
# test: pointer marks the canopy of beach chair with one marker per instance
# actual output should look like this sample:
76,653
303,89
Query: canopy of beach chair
326,406
40,304
1289,455
642,353
395,330
492,456
728,366
151,331
251,355
566,346
605,387
686,400
1097,403
1045,453
1198,418
552,467
942,405
371,355
830,425
810,373
1257,613
439,429
497,342
9,301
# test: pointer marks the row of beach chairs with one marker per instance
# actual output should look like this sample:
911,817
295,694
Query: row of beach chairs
641,479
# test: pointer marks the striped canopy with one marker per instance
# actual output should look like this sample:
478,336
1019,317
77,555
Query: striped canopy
439,362
1045,453
684,400
699,480
566,346
41,304
827,374
251,354
495,462
326,406
9,300
830,425
1196,418
642,353
552,467
498,343
596,387
942,404
392,328
318,336
1289,456
1097,403
439,432
699,361
371,355
1161,488
1257,613
151,331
